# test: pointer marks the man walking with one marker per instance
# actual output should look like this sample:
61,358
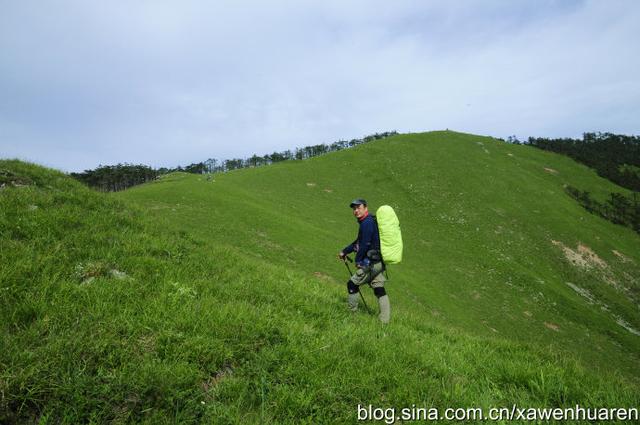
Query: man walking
368,261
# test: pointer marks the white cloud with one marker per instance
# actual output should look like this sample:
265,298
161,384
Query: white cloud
169,83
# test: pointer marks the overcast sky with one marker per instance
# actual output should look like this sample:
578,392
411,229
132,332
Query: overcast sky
169,83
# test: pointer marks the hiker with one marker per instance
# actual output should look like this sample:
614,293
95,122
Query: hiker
368,261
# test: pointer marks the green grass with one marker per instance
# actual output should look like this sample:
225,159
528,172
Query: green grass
187,300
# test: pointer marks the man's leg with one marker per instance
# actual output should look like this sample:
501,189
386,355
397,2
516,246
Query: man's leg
352,298
383,299
360,277
383,303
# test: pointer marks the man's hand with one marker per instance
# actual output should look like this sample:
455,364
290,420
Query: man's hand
341,256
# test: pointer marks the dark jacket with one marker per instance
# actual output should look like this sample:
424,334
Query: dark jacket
368,238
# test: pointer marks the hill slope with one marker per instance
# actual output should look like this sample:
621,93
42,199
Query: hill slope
196,300
489,234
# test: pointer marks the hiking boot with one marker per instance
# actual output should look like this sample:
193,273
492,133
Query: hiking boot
385,309
352,300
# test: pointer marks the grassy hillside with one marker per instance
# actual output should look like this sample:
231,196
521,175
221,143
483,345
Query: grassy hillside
489,234
221,301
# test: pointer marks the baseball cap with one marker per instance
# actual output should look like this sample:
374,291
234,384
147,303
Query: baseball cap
358,201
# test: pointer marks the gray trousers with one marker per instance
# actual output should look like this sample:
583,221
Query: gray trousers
371,275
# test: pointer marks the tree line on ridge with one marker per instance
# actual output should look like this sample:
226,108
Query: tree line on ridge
615,157
111,178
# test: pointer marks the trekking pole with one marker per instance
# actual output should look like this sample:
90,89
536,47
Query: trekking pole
345,259
351,274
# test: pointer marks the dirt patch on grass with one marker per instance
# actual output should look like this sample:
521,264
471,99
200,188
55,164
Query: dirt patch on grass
583,256
552,326
550,170
573,256
621,256
591,256
323,276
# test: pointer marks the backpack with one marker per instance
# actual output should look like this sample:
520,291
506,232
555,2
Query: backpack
390,235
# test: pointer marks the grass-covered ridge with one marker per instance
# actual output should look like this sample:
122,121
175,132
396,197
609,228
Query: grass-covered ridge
222,302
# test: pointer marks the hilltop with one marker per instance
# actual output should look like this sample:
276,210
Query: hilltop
221,300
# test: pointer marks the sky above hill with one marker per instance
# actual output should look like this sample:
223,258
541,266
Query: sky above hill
169,83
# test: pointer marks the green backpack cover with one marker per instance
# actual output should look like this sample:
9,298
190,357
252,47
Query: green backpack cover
390,235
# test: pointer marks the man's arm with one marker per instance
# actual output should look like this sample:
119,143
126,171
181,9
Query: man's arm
353,246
